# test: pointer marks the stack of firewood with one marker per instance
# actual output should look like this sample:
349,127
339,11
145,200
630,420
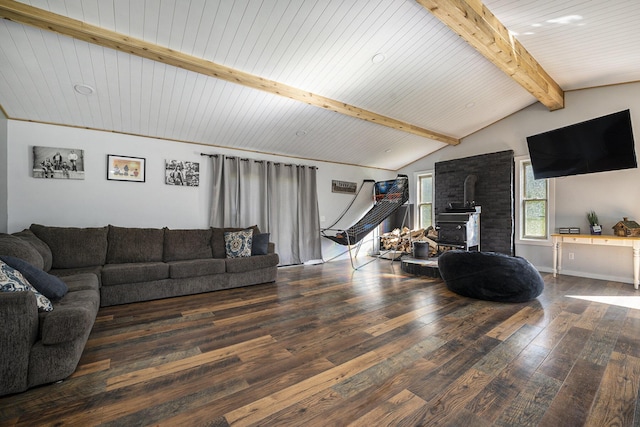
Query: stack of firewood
402,240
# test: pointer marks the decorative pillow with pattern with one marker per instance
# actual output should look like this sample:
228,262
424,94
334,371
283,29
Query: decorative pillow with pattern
11,280
238,243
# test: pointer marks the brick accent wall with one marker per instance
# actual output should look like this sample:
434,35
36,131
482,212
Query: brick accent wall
494,192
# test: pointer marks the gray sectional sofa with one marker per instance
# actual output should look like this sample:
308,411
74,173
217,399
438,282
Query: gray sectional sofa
104,266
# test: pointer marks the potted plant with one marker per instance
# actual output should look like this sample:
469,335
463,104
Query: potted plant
594,224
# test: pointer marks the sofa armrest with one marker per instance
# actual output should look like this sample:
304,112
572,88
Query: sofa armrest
19,320
271,248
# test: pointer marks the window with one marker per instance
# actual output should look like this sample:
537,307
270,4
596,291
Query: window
534,204
425,200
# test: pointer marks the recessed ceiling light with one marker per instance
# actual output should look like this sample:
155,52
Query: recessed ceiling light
378,58
387,150
84,89
301,133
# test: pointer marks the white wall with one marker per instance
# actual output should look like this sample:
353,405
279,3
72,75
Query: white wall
95,201
611,194
3,173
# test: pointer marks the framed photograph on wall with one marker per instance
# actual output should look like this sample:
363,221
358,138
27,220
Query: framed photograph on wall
125,168
185,173
343,187
61,163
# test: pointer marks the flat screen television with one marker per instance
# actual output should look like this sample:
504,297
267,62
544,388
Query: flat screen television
597,145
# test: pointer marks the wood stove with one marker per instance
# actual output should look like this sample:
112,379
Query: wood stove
459,227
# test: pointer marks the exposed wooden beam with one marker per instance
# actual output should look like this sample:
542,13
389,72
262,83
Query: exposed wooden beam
25,14
481,29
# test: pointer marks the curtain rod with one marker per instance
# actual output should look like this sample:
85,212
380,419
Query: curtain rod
258,161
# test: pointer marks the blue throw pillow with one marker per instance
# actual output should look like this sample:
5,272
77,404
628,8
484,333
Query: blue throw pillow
260,244
47,284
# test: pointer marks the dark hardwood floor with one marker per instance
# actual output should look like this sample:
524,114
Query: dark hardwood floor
327,346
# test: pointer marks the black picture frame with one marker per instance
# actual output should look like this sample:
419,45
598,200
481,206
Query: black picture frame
126,168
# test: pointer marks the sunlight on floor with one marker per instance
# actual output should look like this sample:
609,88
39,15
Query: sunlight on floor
622,301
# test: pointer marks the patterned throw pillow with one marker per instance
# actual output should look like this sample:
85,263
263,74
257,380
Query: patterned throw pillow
238,243
11,280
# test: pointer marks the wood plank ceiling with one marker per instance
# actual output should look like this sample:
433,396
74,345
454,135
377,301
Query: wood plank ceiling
431,82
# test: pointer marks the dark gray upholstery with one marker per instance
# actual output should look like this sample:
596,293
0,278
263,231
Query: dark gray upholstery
244,264
70,318
182,245
117,274
196,267
39,348
14,246
490,276
42,248
135,245
74,247
19,320
66,272
167,288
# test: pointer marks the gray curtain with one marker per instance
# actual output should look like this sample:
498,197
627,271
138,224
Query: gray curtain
281,199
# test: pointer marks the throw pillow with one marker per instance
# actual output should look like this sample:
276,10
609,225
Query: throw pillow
47,284
11,280
238,243
260,244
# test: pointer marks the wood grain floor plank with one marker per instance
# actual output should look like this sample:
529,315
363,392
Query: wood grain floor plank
564,355
134,377
492,401
504,329
576,395
617,401
392,412
528,408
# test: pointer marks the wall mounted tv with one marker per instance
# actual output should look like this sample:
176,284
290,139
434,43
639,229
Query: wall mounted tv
597,145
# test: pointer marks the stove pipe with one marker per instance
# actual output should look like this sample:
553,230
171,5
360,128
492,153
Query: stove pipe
470,190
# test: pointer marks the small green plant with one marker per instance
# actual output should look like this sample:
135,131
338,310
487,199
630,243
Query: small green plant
592,217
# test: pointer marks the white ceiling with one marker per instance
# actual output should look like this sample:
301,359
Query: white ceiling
430,77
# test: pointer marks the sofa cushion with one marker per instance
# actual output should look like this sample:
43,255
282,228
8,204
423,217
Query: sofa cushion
47,284
245,264
260,244
16,247
66,272
196,268
217,239
71,318
129,244
117,274
74,247
43,249
187,244
238,243
11,280
82,282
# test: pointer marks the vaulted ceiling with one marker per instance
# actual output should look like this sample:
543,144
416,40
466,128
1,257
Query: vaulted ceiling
371,83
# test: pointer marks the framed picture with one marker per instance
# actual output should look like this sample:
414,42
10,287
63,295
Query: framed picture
185,173
343,187
60,163
124,168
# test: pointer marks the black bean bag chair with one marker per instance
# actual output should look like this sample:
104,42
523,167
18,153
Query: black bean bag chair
490,276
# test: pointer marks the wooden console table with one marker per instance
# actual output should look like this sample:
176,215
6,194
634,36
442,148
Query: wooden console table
588,239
